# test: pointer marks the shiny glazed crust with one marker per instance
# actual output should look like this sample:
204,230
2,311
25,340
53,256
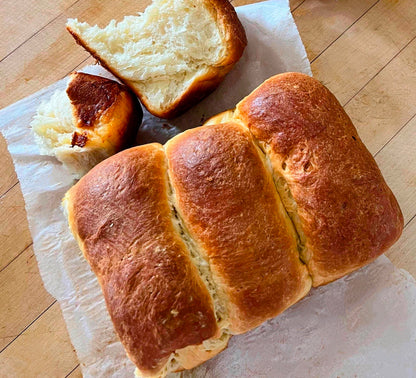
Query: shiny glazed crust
235,39
348,215
227,200
122,220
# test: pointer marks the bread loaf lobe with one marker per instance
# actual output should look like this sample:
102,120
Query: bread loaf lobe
343,209
123,222
227,200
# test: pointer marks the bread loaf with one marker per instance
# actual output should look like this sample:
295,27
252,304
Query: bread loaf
172,55
90,121
230,223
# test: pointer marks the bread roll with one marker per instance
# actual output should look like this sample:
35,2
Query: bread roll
232,222
172,55
90,121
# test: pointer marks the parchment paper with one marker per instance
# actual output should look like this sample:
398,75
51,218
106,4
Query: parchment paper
363,325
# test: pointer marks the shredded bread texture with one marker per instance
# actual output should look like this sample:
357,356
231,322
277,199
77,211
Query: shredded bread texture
53,128
161,51
53,124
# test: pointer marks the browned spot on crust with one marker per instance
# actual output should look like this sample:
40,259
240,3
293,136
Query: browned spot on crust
79,140
91,96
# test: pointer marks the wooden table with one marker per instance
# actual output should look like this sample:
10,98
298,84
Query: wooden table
363,50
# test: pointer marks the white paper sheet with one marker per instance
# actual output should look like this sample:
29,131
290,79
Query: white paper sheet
363,325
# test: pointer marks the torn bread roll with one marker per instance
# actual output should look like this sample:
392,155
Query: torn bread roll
230,223
172,55
91,120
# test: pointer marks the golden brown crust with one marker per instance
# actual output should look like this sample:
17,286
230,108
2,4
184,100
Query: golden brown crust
348,214
228,203
236,42
120,214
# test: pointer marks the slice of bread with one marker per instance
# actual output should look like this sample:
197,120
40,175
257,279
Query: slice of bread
172,55
90,121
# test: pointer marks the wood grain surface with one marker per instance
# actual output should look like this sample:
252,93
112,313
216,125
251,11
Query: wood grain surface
363,50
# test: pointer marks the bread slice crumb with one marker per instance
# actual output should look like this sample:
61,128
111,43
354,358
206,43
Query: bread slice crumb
172,55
